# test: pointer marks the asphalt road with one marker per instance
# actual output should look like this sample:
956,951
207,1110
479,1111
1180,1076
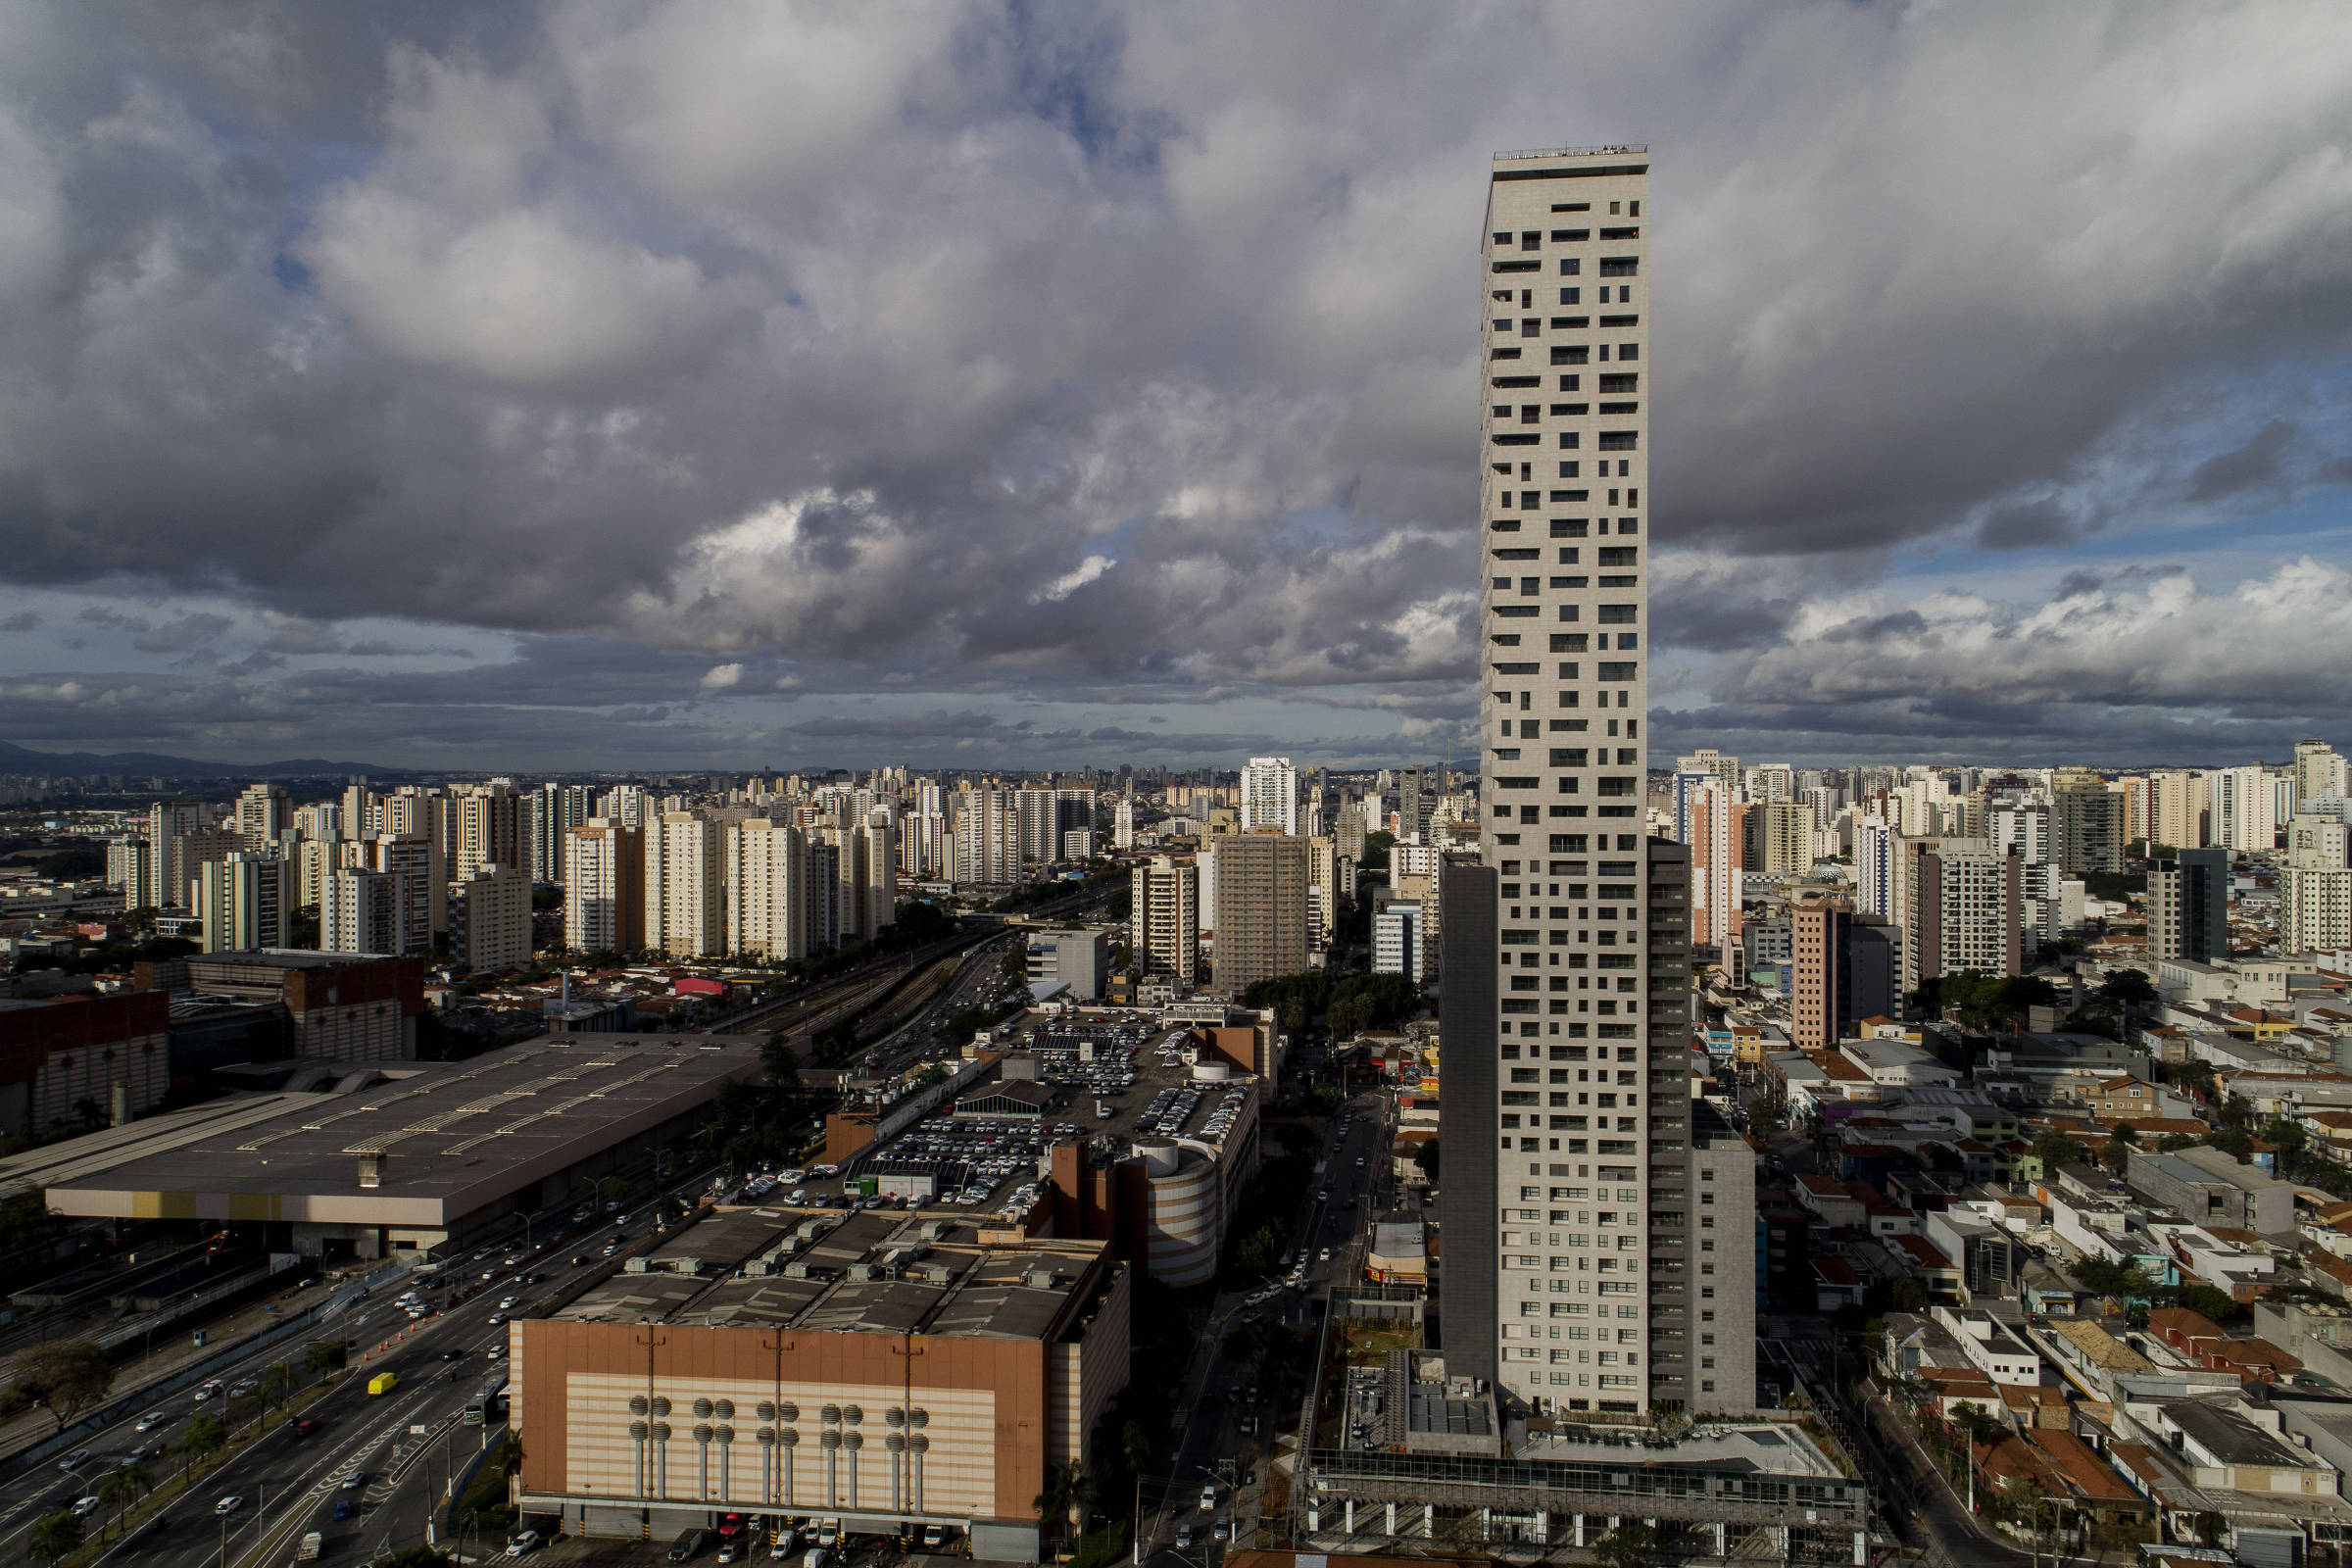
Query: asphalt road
1220,1390
291,1485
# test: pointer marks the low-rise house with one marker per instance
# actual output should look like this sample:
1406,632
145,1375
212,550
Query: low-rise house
1990,1345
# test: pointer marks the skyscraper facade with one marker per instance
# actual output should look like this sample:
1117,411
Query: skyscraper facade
1612,1208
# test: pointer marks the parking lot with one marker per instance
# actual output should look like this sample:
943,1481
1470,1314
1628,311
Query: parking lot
998,1163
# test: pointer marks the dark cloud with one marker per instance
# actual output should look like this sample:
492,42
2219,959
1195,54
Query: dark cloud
22,621
983,351
2259,462
2028,525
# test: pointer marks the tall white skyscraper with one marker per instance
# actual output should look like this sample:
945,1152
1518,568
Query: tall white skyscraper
1585,1191
1270,795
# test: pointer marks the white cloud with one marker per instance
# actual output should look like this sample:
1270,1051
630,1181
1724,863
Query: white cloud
722,677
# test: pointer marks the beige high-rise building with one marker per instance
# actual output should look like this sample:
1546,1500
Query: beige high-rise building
490,828
1323,877
1163,919
264,812
685,886
490,920
244,900
1261,909
2319,773
2176,808
604,888
766,877
1566,951
1786,831
2315,888
359,912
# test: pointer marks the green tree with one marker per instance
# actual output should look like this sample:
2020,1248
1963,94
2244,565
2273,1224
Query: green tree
2209,1300
277,1381
302,926
1425,1157
2056,1150
1062,1505
65,1377
116,1491
2211,1526
201,1438
2235,1142
617,1189
53,1535
322,1356
2288,1136
2123,1280
1632,1545
2127,990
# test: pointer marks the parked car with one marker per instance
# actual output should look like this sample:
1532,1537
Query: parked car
527,1541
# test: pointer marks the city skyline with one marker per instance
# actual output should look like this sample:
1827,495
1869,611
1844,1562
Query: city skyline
556,388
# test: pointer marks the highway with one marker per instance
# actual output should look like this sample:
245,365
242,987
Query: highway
290,1485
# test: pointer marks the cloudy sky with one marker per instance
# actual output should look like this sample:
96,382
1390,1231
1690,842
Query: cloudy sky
627,385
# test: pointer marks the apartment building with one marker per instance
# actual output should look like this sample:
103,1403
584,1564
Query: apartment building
604,888
1163,919
1583,1268
1261,909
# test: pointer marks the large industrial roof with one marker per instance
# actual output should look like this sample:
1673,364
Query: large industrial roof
877,1271
446,1141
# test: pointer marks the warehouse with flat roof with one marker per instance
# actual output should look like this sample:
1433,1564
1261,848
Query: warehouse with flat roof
887,1369
417,1157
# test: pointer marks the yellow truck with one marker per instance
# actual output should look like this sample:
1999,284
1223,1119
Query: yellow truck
383,1383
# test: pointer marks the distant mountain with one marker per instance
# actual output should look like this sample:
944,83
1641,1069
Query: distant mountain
16,758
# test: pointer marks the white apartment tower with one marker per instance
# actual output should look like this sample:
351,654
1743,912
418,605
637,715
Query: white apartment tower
1601,1268
1270,795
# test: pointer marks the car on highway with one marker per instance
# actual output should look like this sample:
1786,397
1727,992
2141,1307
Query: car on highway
451,1356
1223,1529
514,1262
1208,1498
496,1318
1184,1536
496,1352
345,1508
73,1460
229,1504
149,1421
209,1389
354,1480
84,1507
1323,1256
580,1259
307,1425
506,1303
